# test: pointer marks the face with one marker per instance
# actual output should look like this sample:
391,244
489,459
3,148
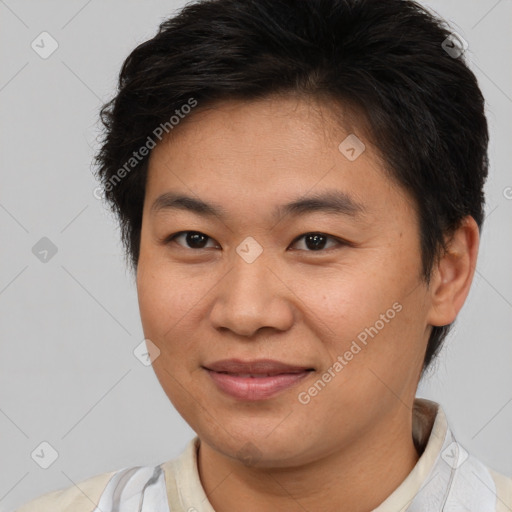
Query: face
332,290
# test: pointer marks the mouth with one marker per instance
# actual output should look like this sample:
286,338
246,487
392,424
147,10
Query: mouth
255,380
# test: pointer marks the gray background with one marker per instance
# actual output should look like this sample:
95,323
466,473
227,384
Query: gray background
68,375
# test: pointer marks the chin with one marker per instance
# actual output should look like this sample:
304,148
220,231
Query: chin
254,446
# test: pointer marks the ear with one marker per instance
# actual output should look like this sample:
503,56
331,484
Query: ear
453,274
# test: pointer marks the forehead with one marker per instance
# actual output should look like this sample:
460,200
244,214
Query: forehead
250,152
301,115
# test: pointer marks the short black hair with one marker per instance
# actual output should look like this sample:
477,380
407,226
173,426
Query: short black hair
389,59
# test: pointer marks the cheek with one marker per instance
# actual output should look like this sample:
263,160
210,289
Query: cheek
342,302
166,295
161,304
167,303
174,302
371,319
384,355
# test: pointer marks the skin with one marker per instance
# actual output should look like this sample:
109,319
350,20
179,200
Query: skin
350,447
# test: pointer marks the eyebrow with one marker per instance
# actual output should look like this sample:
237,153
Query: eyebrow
331,201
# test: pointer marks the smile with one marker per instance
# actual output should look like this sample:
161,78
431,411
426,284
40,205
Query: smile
245,386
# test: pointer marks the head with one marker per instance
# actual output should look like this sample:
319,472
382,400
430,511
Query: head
246,107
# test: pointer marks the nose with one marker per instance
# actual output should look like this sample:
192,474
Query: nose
252,296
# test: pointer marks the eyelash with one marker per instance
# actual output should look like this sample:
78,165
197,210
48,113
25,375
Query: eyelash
340,242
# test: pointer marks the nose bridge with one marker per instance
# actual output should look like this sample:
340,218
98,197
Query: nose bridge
250,271
250,279
250,296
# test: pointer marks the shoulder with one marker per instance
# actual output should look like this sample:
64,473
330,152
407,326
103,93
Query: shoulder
117,490
503,491
82,497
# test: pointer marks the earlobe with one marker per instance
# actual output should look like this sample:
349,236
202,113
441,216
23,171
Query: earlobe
453,274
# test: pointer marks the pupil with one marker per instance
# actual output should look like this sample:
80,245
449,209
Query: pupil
196,240
318,241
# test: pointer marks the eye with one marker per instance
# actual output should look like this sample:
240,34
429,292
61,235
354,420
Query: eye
314,242
194,239
317,241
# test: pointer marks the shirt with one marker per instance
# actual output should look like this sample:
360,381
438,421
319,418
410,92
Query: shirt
446,478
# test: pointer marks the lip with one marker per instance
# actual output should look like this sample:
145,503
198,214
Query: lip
256,366
234,377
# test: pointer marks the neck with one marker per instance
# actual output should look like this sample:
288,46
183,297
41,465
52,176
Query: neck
358,477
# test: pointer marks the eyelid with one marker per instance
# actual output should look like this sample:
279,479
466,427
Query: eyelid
168,239
339,241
